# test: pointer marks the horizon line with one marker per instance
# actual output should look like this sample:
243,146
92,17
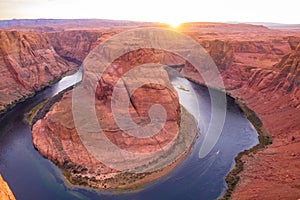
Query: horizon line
130,20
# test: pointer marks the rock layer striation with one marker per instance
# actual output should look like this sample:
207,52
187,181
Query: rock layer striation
28,63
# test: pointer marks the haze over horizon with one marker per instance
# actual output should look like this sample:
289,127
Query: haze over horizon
172,12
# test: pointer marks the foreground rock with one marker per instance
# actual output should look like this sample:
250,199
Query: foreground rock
5,192
28,63
56,135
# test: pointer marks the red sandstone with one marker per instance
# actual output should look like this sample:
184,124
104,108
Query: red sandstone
28,63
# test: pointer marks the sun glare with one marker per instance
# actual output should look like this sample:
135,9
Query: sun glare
175,24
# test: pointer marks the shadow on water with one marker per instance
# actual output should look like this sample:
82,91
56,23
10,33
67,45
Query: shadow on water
31,176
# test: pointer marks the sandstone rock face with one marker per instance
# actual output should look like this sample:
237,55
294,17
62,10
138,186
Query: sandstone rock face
5,192
28,63
267,80
56,136
274,172
74,44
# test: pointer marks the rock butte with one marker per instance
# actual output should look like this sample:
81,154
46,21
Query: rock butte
260,68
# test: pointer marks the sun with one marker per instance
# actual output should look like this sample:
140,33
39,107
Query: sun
174,24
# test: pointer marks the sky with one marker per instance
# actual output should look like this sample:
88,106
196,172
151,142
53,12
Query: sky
166,11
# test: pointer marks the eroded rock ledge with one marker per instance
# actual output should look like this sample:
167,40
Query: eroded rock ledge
28,63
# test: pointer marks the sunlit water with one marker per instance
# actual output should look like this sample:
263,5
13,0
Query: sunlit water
31,176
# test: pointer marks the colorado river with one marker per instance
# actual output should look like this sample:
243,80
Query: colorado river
31,176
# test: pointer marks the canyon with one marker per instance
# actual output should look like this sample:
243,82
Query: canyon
259,67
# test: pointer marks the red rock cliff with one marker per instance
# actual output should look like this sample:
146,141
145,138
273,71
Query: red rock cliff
74,45
265,76
274,172
28,63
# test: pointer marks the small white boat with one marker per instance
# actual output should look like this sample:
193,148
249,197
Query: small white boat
182,88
